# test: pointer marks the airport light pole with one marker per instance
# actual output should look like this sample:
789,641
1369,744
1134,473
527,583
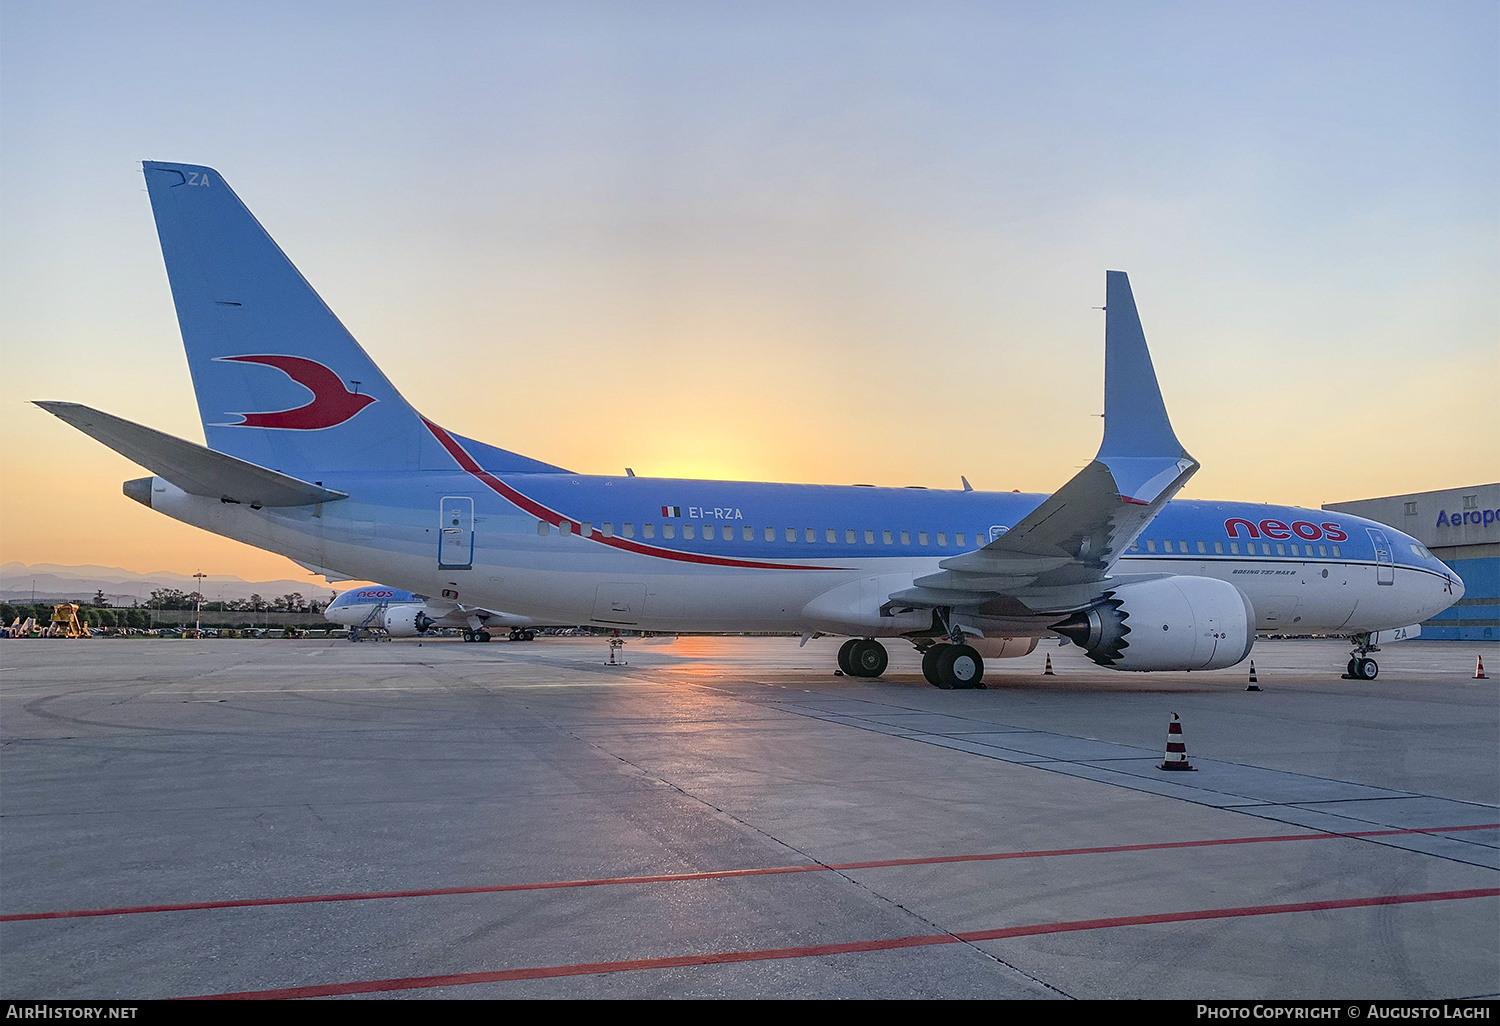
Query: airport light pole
198,605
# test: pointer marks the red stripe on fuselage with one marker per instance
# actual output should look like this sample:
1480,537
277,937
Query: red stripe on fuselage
556,519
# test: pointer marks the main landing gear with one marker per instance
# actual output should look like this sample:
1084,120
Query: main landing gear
863,657
1361,666
479,635
949,666
953,663
946,665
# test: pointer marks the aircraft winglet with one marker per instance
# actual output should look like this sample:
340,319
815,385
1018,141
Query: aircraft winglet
1086,524
1135,417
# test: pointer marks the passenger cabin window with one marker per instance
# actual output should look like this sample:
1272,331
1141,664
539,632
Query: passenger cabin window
1280,548
1265,548
1234,548
885,536
687,532
921,537
1335,550
1182,546
628,530
770,534
1322,550
587,530
1202,547
869,537
609,529
958,539
943,538
810,534
905,537
648,530
849,536
669,530
1166,544
1150,544
542,527
1219,548
1135,546
565,528
831,536
747,533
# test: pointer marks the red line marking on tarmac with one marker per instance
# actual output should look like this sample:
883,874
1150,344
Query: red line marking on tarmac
808,951
723,874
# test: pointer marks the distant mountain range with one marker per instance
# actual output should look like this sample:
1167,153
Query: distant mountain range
55,583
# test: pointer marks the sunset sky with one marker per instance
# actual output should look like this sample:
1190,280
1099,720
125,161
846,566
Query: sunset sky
829,242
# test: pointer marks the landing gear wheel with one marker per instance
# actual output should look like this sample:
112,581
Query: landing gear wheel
468,635
845,662
868,658
1366,669
930,666
481,635
959,666
1352,673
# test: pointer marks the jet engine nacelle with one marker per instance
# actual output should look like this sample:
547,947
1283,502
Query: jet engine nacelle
406,621
1175,623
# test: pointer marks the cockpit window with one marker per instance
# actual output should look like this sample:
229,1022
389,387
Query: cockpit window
1421,551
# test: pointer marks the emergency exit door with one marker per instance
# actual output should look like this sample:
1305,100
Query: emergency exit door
456,534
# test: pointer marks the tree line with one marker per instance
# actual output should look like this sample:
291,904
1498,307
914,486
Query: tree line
98,612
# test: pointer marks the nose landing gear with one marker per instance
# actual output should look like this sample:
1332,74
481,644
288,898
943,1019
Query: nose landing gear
1361,666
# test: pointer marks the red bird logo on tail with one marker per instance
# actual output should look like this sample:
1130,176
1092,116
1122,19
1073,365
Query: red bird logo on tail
332,404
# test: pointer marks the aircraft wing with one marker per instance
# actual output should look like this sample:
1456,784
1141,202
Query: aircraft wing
1074,538
193,468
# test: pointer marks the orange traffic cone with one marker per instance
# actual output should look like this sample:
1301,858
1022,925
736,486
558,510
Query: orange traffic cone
1176,757
1479,673
1254,680
1048,671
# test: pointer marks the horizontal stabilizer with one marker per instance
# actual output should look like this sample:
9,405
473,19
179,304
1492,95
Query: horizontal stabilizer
191,467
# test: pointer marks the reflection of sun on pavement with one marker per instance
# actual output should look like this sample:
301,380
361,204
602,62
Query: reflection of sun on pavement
697,648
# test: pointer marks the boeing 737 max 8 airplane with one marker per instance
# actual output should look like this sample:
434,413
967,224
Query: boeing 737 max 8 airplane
312,453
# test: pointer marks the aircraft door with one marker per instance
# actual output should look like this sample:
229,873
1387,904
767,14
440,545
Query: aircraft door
1385,567
456,534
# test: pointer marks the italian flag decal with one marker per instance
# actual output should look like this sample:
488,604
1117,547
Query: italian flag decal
671,511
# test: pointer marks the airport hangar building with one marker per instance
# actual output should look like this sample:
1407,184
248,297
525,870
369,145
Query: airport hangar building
1462,528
